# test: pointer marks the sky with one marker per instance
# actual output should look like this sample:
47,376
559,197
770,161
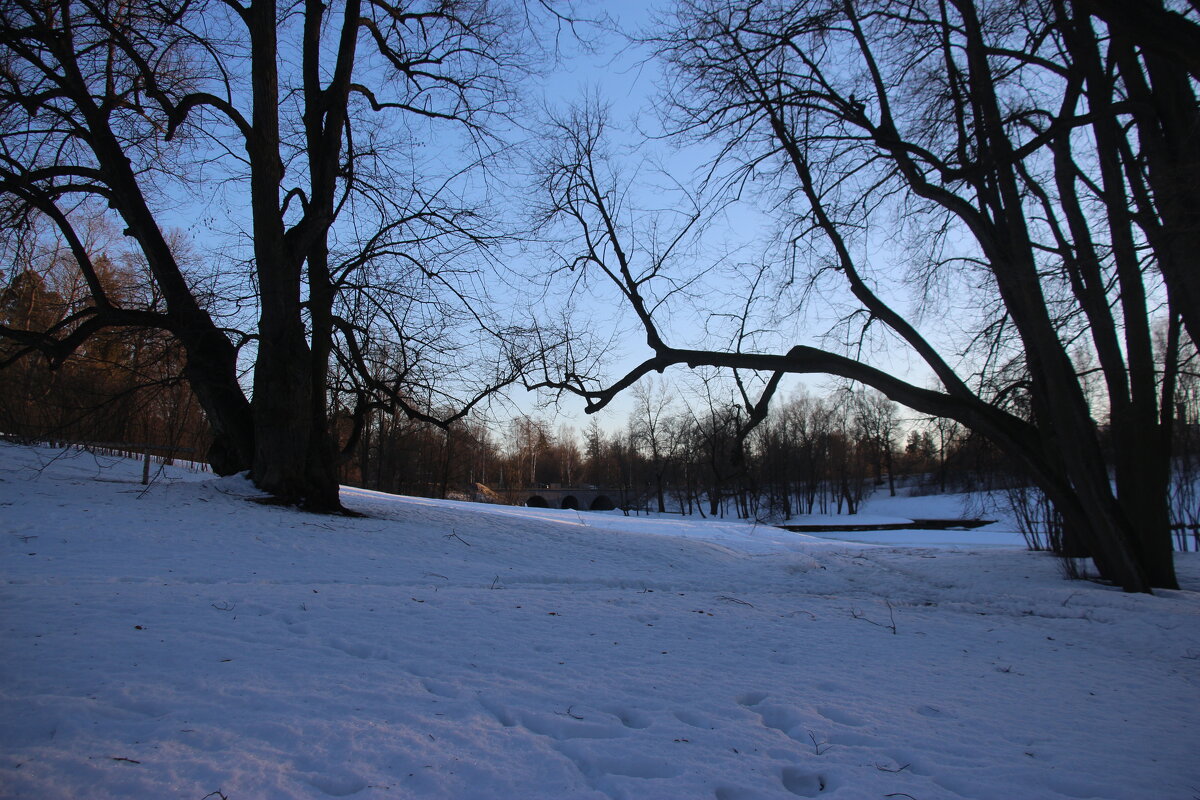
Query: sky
620,74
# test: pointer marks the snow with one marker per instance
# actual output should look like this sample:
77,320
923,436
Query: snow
180,641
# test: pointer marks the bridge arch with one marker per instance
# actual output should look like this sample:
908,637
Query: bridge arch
537,501
570,501
602,503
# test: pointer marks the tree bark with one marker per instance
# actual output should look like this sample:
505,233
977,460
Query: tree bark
282,400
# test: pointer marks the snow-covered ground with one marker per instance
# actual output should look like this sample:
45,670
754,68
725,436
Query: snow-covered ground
182,642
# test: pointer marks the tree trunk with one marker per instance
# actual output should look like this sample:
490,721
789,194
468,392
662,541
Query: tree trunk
211,371
291,458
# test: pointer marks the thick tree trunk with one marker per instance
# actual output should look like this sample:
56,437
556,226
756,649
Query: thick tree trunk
322,456
291,458
211,371
1141,445
1144,496
1060,408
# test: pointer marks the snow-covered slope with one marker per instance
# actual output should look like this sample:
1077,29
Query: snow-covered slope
183,642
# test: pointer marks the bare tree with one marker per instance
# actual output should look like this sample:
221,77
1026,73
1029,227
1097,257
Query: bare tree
363,250
878,422
653,434
995,136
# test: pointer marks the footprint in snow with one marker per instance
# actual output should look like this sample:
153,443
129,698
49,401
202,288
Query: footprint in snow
739,793
569,724
440,688
694,719
356,649
784,719
840,716
802,783
596,766
336,785
498,711
750,699
630,718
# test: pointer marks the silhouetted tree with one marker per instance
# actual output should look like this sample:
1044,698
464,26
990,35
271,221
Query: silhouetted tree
998,139
362,251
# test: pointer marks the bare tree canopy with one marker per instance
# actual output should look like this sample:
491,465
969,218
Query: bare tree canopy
1024,152
364,247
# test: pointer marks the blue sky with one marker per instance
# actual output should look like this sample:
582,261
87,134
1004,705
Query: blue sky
621,75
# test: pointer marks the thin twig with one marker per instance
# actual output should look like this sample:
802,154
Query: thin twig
569,713
891,616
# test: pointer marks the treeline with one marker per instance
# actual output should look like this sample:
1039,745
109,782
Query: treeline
119,386
690,451
689,454
693,454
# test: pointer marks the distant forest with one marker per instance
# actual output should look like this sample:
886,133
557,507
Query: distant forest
691,448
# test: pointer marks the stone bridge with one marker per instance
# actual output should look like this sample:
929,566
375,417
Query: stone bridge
589,498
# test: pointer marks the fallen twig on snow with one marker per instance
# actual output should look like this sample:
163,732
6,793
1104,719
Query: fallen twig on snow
569,713
891,616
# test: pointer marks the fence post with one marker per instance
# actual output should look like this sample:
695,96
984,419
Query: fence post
146,469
